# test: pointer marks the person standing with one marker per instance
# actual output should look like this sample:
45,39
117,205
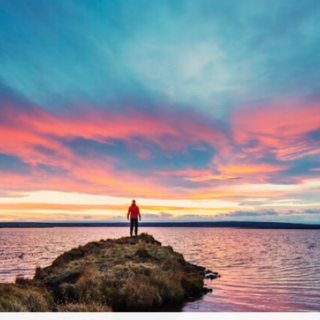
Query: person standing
134,212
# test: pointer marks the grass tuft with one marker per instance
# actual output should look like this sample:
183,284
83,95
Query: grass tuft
126,274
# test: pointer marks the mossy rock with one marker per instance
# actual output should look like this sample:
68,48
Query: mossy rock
126,274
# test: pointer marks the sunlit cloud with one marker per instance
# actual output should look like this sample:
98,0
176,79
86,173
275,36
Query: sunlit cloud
194,120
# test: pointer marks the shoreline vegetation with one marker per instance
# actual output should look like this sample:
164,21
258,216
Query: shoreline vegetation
125,274
217,224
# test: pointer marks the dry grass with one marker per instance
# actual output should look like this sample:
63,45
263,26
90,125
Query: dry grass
17,299
137,294
81,307
126,274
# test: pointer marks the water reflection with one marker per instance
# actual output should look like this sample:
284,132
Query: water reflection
262,270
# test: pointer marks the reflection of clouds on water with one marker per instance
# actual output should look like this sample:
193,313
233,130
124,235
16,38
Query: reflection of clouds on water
261,270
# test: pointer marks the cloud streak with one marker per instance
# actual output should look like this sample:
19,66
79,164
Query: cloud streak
79,148
166,101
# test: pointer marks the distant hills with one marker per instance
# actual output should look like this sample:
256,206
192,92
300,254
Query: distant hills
217,224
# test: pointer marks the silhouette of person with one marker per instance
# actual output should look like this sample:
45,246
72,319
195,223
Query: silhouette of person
134,212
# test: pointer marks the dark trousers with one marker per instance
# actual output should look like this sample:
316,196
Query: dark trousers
134,224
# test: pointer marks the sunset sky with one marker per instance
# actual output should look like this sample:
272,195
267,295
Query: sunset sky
200,110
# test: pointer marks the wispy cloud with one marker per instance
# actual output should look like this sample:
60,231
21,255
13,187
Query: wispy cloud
161,102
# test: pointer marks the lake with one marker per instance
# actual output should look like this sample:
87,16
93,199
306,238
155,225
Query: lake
261,270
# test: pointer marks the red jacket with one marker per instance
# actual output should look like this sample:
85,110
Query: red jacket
134,210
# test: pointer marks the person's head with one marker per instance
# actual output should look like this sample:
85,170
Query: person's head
133,202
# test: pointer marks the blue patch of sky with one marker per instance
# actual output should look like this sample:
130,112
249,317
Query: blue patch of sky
301,166
314,136
127,155
51,170
12,164
210,55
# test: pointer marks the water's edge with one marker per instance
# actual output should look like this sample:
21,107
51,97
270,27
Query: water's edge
262,270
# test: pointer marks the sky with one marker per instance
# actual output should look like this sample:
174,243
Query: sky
200,110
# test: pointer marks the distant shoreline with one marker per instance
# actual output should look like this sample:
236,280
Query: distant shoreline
220,224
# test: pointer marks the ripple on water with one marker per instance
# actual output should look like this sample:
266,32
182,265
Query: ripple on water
262,270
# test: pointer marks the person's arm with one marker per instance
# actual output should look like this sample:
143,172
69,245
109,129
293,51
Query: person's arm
139,214
128,213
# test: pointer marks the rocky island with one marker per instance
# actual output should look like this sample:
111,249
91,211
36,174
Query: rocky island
126,274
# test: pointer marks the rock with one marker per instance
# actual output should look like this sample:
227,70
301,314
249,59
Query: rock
126,274
206,290
206,273
199,268
213,275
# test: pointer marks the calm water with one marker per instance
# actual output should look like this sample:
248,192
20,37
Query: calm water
262,270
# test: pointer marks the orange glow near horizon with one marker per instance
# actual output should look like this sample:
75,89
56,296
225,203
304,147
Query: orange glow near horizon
247,166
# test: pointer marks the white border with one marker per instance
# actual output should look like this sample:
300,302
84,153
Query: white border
161,316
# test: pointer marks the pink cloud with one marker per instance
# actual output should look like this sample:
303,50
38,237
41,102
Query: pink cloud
37,136
279,128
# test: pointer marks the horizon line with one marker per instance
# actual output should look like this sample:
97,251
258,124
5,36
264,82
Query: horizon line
234,223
